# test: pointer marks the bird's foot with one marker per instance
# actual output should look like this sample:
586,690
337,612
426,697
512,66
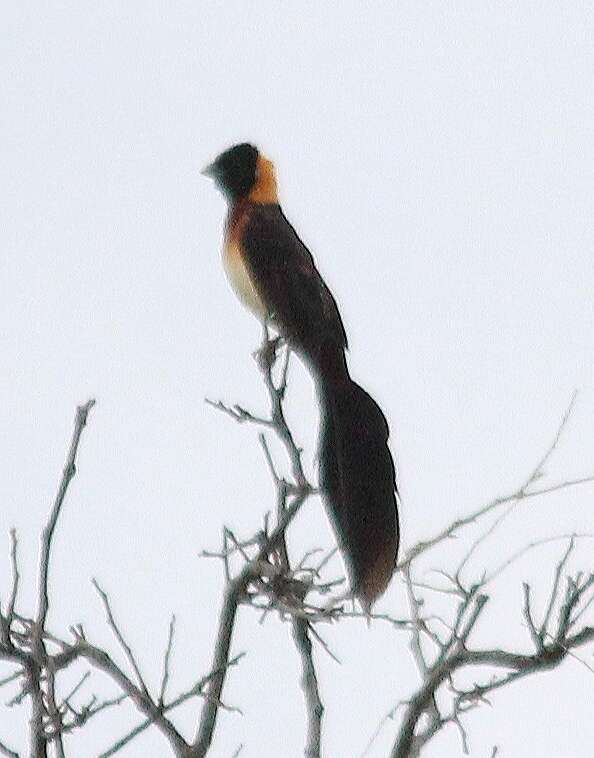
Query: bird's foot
265,356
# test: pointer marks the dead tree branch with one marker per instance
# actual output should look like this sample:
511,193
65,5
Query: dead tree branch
260,573
309,684
268,573
30,650
439,660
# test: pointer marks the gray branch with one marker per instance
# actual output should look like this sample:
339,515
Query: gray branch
439,663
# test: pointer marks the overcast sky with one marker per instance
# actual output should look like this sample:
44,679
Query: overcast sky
438,159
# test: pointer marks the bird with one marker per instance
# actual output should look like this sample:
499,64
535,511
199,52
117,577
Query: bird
274,275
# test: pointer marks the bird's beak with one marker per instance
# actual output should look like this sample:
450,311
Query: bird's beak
209,171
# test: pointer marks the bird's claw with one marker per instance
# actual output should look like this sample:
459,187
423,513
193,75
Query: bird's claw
265,356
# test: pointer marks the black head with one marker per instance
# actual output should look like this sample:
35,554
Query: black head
234,171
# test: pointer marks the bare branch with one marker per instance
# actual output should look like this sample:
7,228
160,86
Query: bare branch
7,751
555,590
37,741
232,598
55,716
195,691
482,538
238,413
236,589
275,477
538,470
323,643
514,498
423,701
34,661
389,716
415,641
76,687
498,570
571,653
80,421
309,684
101,660
92,708
259,573
451,530
11,677
15,580
422,720
536,638
278,416
587,586
120,638
166,657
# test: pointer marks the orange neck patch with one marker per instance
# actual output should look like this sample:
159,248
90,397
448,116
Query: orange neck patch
264,190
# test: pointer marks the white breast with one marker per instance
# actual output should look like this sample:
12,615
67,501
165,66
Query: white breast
241,281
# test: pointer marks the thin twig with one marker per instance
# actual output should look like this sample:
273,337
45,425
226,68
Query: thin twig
166,657
80,718
7,751
101,660
555,589
15,579
451,530
67,698
11,677
536,638
415,630
195,691
498,570
37,740
120,638
238,413
521,493
80,421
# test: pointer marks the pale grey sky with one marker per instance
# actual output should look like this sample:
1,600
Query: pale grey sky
438,159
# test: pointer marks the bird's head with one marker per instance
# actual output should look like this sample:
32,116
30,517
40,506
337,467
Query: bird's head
242,171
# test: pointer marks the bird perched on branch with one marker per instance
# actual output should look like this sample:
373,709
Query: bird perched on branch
274,276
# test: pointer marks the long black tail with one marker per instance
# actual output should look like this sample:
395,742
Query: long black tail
357,477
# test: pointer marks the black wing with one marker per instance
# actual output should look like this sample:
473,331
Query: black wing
289,283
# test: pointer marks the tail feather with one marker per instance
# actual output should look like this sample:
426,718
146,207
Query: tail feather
358,481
